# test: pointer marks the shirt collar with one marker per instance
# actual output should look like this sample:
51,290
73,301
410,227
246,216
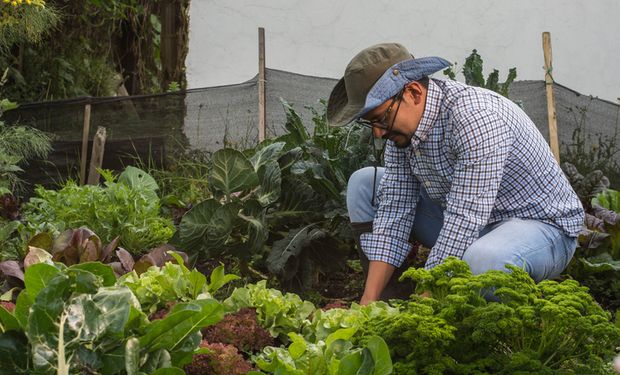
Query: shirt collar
434,96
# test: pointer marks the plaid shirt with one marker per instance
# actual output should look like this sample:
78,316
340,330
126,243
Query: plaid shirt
482,159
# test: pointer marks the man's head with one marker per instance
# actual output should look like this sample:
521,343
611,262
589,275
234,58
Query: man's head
376,77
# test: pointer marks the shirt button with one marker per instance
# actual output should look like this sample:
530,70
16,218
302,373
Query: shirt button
418,153
427,183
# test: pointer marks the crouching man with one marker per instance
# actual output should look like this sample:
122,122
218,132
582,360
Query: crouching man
467,174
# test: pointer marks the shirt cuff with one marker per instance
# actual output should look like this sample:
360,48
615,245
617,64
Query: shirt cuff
385,249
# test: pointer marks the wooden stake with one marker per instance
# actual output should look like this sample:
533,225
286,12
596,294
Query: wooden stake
551,114
262,116
96,160
85,131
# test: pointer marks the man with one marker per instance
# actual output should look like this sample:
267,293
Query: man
466,173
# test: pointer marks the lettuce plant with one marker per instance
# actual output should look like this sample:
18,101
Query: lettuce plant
336,355
159,286
278,313
219,359
127,208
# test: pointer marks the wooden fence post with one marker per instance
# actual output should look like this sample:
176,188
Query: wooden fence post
262,118
551,114
96,159
83,156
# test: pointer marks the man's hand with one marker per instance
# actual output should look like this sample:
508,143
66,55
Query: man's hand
425,294
379,273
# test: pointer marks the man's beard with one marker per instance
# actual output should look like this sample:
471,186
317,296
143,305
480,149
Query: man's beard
401,140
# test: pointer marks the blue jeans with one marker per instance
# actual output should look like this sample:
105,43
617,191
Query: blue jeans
542,249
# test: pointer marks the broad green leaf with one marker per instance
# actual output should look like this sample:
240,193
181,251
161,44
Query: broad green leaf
207,225
183,320
99,269
8,322
132,356
37,277
297,131
232,172
270,183
137,179
155,360
22,309
380,355
341,334
298,345
368,364
350,363
218,279
600,263
266,155
196,282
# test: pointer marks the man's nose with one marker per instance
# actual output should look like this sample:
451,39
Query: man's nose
378,132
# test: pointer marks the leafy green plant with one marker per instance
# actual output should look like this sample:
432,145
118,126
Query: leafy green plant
18,145
473,73
159,286
128,208
287,192
335,355
277,312
75,319
547,327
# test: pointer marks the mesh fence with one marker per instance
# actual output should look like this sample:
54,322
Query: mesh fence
151,127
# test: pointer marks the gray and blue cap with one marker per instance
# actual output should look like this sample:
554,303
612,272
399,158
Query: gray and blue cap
373,76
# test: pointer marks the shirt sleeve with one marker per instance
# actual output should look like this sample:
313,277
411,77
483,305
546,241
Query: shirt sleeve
481,144
397,197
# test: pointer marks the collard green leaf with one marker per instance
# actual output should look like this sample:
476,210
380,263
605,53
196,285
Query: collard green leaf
208,226
232,172
137,179
298,134
266,155
270,183
283,260
600,263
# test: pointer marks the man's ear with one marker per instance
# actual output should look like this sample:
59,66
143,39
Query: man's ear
415,91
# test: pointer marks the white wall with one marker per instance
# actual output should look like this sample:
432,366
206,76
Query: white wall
319,37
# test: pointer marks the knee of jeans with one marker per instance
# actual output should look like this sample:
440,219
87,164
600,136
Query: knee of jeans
483,257
360,181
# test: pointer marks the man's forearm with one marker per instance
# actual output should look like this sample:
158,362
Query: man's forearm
379,273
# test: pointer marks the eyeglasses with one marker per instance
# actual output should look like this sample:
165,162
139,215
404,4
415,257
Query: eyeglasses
382,122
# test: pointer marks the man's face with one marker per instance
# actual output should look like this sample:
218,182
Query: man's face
398,118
